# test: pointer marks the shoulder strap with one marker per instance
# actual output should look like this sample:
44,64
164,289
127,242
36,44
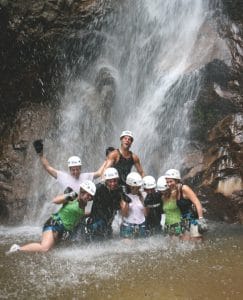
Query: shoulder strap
180,194
119,154
127,198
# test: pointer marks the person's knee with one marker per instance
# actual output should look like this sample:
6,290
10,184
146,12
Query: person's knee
46,247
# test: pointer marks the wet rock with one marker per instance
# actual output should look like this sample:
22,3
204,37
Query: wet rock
17,156
234,9
215,100
223,158
217,125
218,207
217,171
237,200
33,47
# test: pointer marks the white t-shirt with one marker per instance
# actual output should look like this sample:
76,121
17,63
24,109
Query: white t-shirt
136,210
65,180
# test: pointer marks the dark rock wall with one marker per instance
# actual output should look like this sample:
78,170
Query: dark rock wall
216,170
32,55
37,37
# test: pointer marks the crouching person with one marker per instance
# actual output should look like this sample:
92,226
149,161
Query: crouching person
64,220
109,199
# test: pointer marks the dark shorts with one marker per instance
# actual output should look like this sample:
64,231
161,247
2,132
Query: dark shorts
154,229
187,220
99,229
54,225
173,229
129,230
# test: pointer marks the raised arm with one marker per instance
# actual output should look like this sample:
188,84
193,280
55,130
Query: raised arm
110,161
60,199
52,171
137,165
100,171
38,145
64,198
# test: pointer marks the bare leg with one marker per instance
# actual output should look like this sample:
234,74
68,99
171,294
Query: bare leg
187,237
48,241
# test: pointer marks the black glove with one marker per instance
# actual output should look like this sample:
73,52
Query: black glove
127,199
38,145
68,190
71,196
202,225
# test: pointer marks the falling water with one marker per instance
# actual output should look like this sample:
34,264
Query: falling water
152,59
144,77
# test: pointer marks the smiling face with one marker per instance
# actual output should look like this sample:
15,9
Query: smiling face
112,184
171,183
84,197
75,171
126,141
134,189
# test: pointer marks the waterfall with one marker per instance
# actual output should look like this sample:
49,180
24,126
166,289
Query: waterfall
145,77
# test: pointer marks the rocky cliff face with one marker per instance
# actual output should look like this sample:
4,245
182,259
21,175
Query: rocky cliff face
217,123
32,52
32,61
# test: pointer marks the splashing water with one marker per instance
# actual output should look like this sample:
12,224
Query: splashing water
145,78
157,267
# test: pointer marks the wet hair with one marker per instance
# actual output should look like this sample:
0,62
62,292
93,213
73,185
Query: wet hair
109,150
165,195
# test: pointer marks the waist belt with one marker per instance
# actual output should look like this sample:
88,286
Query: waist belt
132,224
153,205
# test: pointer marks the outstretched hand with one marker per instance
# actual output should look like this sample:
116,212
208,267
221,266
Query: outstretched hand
38,145
202,225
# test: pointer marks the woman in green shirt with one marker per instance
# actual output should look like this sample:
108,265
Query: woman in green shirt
172,212
64,220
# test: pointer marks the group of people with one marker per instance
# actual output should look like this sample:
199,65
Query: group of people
138,199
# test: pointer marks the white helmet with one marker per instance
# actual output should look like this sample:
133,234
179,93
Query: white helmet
88,186
161,184
134,179
173,174
110,173
149,182
74,161
126,132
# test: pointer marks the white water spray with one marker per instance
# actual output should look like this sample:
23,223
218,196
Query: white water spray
145,79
